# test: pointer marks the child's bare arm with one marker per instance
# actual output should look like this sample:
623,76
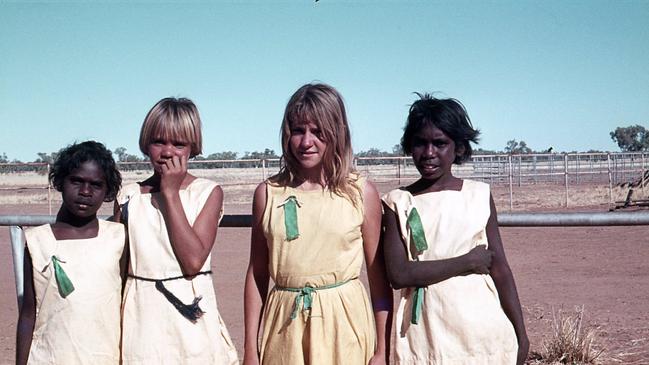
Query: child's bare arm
380,290
191,244
404,273
504,280
257,277
27,315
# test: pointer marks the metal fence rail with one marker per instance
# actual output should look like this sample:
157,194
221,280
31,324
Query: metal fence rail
17,222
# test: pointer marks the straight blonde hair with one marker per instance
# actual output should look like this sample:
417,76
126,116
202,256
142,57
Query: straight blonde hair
176,119
322,105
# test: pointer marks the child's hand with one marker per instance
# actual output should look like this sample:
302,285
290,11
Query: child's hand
172,174
480,259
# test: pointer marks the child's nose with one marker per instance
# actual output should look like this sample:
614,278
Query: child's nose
307,140
430,150
167,151
85,189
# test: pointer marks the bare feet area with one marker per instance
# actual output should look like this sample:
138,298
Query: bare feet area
603,269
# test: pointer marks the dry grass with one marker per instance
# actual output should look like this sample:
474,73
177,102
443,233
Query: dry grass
570,341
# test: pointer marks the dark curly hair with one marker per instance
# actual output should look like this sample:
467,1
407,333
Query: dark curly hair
72,156
449,115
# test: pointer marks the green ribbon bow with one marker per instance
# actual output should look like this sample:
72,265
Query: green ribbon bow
417,230
62,279
304,295
290,217
417,301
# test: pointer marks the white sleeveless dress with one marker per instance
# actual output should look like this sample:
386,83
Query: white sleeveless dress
83,327
461,322
154,332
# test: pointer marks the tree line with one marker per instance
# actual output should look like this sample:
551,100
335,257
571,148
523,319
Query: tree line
634,138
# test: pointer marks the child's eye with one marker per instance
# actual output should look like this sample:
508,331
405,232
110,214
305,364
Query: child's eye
180,145
297,130
418,142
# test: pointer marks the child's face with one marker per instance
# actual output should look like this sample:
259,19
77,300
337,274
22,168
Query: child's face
433,153
307,145
84,190
162,149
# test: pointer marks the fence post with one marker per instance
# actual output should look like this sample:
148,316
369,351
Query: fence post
642,173
399,171
49,191
610,180
565,171
263,169
520,162
18,251
511,178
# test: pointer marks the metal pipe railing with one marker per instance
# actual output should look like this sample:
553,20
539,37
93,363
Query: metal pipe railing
16,222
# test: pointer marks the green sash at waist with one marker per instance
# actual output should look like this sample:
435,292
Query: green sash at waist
304,295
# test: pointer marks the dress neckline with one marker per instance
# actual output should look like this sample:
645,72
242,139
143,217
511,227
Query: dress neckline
451,191
139,187
100,225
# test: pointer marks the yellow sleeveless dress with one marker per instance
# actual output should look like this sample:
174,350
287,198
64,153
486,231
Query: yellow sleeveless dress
154,332
83,327
461,322
339,327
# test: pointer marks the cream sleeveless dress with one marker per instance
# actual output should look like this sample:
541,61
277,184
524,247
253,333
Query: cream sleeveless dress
82,328
154,332
339,327
461,322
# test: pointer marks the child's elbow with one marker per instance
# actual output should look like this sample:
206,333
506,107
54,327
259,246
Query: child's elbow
192,267
398,279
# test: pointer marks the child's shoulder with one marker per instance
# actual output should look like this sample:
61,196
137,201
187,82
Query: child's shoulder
397,196
201,183
474,185
37,231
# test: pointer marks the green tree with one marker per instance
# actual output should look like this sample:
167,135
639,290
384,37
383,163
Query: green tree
3,158
225,155
123,156
515,147
632,138
45,157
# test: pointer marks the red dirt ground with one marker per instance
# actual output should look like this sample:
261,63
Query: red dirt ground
604,269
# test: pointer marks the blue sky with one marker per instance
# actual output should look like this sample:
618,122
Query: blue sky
552,73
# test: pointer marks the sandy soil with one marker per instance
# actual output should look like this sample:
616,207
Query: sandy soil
603,269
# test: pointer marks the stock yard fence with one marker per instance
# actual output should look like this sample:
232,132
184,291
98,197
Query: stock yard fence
507,170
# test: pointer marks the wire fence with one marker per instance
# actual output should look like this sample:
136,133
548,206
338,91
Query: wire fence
510,171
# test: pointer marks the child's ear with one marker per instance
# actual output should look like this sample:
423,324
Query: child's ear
459,150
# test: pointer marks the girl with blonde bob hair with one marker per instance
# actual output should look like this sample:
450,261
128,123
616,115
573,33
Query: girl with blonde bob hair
169,306
313,223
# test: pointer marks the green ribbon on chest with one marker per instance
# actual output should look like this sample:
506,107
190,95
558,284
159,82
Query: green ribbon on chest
290,217
62,280
417,231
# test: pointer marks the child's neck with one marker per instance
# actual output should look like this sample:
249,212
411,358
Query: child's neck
152,184
426,186
69,227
